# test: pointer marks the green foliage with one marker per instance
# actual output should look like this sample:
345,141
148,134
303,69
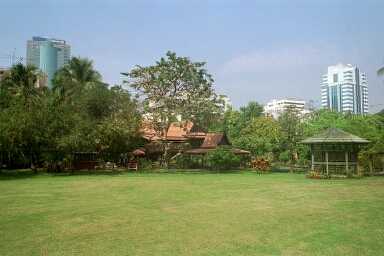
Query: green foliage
292,132
144,163
284,156
80,114
222,158
251,111
380,72
261,136
370,127
186,161
234,121
78,75
175,87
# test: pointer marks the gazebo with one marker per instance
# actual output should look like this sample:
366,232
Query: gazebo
335,151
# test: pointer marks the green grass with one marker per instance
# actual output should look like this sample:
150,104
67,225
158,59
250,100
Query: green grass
190,214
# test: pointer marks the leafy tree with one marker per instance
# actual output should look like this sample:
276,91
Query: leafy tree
261,136
231,123
38,125
21,84
234,121
77,75
251,111
292,132
173,88
20,115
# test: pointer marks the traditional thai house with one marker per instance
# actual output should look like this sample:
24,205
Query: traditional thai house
335,152
211,142
180,136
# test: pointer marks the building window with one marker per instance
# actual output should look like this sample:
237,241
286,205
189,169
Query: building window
335,78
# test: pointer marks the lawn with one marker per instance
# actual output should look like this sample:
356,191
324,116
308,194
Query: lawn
190,214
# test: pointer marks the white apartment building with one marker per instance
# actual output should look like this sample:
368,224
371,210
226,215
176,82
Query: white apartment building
275,108
345,89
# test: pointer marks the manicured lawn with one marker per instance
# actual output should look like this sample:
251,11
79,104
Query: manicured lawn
190,214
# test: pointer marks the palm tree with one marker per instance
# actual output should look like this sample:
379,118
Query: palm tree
77,75
380,72
22,82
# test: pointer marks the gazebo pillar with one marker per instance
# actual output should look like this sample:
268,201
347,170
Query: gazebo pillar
326,162
312,161
346,162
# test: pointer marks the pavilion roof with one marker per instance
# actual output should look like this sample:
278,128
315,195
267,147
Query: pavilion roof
177,132
334,135
212,140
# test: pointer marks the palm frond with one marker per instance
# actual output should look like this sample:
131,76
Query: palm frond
380,72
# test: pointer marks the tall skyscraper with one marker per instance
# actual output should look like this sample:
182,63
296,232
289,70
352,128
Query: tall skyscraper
345,89
48,55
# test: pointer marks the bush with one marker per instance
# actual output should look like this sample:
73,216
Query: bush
144,163
222,159
187,162
284,156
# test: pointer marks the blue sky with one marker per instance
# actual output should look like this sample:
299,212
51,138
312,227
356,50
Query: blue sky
256,50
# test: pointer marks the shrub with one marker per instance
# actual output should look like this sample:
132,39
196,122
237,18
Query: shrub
144,163
222,158
284,156
187,162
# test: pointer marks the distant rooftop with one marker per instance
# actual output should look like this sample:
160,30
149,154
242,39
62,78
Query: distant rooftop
40,38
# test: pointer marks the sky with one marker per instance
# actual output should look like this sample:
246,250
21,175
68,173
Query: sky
255,50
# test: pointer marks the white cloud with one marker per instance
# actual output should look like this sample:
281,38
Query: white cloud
272,60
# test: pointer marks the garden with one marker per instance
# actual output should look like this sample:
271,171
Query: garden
190,213
160,165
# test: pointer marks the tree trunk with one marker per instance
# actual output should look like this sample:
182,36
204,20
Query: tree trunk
165,155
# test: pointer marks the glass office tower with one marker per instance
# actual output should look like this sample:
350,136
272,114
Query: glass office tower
48,55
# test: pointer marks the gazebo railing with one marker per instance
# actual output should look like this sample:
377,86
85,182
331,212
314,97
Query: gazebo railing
336,168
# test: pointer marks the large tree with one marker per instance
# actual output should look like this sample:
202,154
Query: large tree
20,83
21,119
234,121
292,132
251,111
261,136
74,77
38,125
173,88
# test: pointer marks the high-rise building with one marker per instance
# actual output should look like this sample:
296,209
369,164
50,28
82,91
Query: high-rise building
48,55
345,89
275,108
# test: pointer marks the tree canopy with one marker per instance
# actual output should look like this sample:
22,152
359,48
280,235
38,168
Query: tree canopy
80,113
175,88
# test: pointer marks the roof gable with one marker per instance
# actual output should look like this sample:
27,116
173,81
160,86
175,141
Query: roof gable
212,140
